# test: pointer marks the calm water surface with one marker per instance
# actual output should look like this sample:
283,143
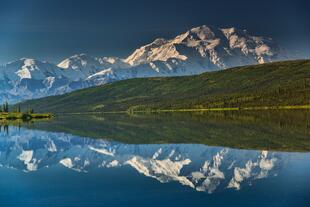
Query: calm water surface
53,164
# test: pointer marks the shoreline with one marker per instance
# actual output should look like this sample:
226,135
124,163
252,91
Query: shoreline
24,116
255,108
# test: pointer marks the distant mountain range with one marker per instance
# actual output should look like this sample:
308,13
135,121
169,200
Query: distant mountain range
196,51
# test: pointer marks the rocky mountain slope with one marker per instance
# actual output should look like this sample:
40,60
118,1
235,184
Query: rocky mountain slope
196,51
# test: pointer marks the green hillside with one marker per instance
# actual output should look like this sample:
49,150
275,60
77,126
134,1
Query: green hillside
273,84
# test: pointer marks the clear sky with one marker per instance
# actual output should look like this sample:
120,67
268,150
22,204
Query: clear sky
55,29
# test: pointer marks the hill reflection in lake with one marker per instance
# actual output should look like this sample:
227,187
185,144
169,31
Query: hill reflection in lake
197,166
218,159
263,130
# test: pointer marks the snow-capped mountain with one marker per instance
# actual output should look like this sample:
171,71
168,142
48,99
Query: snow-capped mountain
210,47
198,50
80,67
196,166
27,78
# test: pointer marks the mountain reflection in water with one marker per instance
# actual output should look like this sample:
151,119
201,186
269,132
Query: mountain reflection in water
196,166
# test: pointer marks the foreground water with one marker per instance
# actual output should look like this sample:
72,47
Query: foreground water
53,164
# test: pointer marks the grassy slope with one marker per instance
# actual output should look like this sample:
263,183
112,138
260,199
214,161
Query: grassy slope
282,83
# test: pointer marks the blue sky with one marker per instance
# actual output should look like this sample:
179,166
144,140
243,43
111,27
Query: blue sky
54,29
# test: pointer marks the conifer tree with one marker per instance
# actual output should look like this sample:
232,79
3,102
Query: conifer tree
6,107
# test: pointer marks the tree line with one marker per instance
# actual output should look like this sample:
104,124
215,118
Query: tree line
5,108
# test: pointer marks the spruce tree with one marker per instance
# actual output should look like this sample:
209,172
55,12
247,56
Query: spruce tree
6,107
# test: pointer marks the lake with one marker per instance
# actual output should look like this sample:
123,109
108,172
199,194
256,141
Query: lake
167,159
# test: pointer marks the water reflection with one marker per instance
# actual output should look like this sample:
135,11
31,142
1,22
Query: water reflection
4,128
268,130
197,166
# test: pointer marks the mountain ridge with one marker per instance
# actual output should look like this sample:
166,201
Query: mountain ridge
198,50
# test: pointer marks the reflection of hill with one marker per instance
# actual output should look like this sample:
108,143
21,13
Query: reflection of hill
196,166
265,130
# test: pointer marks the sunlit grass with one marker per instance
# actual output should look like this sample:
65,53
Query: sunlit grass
23,116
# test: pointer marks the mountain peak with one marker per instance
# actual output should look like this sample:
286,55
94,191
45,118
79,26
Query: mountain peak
203,32
28,61
159,41
228,31
221,47
200,49
76,61
81,56
25,62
